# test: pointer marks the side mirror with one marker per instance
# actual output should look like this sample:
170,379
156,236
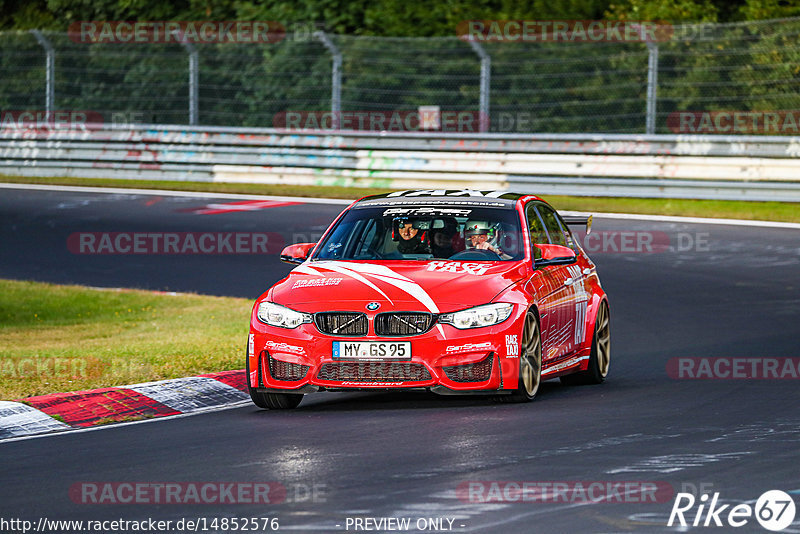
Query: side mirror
297,253
555,255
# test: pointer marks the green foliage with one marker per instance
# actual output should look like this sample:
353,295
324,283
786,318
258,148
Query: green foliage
535,87
383,17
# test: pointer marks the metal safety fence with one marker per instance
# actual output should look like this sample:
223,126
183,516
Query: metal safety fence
672,166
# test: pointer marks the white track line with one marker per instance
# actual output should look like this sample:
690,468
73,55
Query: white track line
687,220
339,201
169,193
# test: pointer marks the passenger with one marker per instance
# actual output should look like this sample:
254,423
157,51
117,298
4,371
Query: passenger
446,241
480,235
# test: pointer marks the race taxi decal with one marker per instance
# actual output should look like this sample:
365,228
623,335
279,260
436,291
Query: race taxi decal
447,193
458,267
468,347
317,282
512,346
284,347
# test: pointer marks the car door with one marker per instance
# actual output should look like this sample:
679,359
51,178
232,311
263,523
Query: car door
558,326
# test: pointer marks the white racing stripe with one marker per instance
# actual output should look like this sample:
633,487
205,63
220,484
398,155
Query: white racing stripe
382,273
331,266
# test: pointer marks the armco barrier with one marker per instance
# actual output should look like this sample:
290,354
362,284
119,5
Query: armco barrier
674,166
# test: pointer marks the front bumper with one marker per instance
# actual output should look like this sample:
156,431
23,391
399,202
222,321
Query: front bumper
444,360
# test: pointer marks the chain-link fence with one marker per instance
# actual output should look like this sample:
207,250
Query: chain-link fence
519,87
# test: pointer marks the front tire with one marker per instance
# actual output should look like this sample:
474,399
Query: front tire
271,401
600,356
530,363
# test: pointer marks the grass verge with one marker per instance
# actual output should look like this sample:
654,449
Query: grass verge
728,209
67,338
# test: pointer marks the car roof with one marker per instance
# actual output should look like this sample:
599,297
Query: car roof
496,199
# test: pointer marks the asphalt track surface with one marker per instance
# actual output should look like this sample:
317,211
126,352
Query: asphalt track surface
405,455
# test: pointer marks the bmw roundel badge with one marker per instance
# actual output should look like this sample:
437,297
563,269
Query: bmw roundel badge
372,306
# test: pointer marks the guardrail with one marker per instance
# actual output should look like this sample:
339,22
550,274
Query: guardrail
671,166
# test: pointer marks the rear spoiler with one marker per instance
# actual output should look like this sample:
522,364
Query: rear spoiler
579,220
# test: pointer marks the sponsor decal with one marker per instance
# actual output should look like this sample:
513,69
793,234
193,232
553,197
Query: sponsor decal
512,345
774,510
434,202
373,383
251,344
564,365
564,491
317,282
486,345
284,347
427,211
581,304
458,267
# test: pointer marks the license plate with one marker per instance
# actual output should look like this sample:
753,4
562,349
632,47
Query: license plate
371,350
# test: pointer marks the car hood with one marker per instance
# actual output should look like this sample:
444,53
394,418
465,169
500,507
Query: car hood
435,286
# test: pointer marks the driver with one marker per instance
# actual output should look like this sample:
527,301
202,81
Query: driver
411,241
480,235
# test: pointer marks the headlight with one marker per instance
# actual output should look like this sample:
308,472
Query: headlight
486,315
277,315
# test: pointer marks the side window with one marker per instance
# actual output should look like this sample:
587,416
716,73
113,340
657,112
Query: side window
571,242
366,239
553,227
536,229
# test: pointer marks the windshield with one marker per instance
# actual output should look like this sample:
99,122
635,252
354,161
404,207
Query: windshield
423,233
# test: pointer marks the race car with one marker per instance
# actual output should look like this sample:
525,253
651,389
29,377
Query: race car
450,291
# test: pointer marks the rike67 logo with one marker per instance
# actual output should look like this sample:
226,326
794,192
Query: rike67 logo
774,510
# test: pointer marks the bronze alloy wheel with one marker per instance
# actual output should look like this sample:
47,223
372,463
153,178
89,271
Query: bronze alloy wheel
530,363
